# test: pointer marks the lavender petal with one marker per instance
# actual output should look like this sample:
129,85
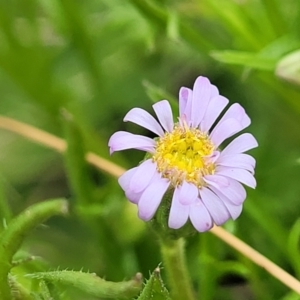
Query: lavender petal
151,198
200,217
164,114
179,213
215,206
143,118
123,140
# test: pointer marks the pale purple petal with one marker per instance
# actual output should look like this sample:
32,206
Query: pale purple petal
142,176
200,217
188,193
215,206
143,118
242,143
152,197
231,188
234,210
240,175
236,111
212,158
124,181
164,114
215,107
241,161
185,103
214,91
178,213
224,130
217,181
200,100
123,140
133,197
125,178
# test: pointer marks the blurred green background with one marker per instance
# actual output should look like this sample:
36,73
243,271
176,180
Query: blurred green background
74,68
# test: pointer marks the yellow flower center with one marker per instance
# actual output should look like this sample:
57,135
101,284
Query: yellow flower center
183,154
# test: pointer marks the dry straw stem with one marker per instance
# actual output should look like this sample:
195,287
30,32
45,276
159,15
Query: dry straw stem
41,137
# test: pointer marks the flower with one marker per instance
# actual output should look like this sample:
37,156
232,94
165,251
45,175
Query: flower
186,157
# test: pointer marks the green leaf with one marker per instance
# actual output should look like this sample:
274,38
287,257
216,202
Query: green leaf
274,12
5,213
281,46
288,68
274,229
237,22
156,94
291,296
293,246
155,288
160,18
45,293
18,292
232,267
76,165
12,237
245,59
91,284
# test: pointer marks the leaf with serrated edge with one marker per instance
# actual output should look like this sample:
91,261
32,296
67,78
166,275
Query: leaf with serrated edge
91,284
154,288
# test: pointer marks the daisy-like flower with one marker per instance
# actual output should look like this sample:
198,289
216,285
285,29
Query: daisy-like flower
186,157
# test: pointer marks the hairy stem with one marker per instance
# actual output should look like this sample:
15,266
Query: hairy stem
174,262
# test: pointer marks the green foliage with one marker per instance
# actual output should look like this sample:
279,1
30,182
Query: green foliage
90,283
154,288
12,237
74,68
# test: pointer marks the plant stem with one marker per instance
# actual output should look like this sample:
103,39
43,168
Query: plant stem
175,264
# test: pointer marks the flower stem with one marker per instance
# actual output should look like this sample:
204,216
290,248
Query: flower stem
175,264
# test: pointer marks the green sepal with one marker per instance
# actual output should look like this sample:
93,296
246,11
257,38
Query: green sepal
91,284
154,288
160,221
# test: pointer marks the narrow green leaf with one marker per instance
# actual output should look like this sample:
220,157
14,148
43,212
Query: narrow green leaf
156,94
288,67
293,246
76,165
275,15
44,291
154,288
245,59
274,229
81,37
290,296
5,213
91,284
236,21
159,18
232,267
281,46
12,237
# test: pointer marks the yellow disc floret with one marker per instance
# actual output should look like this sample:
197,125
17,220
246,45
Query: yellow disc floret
183,154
